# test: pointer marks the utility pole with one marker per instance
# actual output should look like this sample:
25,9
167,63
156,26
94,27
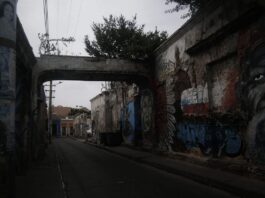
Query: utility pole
50,114
50,90
51,46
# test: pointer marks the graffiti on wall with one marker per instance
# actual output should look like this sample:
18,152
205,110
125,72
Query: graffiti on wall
128,123
175,80
195,100
147,110
253,90
165,68
211,139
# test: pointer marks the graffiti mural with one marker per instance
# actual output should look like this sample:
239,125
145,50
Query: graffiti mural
175,80
130,119
195,100
253,90
167,117
128,124
210,138
147,110
161,119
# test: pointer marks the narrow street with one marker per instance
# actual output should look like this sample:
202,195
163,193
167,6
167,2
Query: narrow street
90,172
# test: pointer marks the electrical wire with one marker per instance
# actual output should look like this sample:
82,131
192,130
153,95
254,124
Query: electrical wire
69,16
46,16
57,15
77,22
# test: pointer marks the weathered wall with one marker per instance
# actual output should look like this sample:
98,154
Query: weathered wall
98,112
199,94
131,121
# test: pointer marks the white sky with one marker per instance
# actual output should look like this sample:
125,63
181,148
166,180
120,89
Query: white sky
74,18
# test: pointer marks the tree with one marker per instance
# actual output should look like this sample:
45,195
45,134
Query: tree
77,111
118,37
192,5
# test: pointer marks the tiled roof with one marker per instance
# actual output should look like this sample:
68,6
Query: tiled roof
61,111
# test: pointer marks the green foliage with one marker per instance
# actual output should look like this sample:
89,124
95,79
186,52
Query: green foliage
118,37
192,5
77,111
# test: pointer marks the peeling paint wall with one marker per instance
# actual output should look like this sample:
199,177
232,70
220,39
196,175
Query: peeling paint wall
147,117
202,103
99,104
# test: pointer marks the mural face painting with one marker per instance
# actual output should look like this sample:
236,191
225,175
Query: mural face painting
7,20
254,93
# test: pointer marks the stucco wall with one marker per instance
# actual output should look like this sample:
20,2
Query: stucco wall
198,92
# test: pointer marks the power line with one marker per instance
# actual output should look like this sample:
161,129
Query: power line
69,16
77,22
57,15
46,16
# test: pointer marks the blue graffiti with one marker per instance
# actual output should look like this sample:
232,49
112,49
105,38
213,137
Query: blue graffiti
211,139
130,122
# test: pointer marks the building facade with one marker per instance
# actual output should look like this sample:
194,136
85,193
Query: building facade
207,95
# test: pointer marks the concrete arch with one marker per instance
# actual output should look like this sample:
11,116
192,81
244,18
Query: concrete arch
52,67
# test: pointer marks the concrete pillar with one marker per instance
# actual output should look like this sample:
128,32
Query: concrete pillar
8,68
7,84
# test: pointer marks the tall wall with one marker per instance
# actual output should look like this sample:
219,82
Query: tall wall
209,92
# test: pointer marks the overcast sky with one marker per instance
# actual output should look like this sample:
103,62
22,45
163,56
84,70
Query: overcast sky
74,18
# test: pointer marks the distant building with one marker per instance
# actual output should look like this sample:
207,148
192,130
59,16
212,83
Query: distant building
67,126
81,124
61,111
61,124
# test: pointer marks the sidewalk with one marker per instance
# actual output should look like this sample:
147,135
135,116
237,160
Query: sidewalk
236,184
42,179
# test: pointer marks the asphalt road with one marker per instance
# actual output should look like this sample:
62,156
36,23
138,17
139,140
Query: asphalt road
91,172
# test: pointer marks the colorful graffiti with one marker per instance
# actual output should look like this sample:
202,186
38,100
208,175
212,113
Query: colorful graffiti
147,110
131,122
210,138
195,100
167,111
128,124
174,80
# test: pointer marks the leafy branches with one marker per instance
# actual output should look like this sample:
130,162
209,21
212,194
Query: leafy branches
118,37
192,5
